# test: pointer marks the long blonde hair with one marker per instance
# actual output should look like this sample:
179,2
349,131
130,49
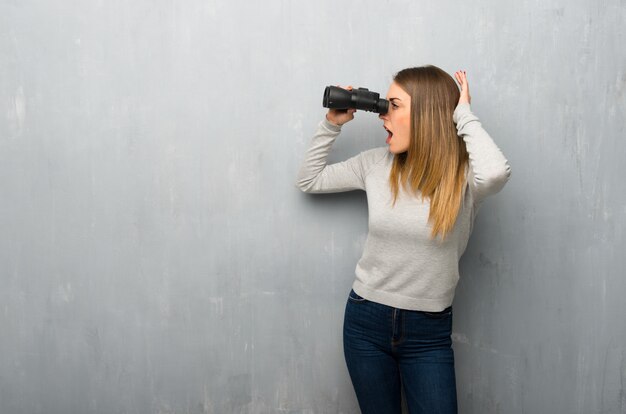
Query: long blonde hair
435,161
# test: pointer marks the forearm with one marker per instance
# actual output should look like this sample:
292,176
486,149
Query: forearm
316,155
490,170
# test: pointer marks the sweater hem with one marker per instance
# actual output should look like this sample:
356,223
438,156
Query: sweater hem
399,301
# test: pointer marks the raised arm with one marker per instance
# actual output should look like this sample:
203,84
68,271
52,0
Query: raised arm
315,176
489,171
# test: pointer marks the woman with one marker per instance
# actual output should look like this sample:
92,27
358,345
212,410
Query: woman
423,193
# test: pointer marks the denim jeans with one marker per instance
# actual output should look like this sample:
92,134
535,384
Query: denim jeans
387,349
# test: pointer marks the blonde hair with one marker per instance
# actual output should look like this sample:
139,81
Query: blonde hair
435,161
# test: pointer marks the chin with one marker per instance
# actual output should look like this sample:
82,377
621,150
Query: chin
396,151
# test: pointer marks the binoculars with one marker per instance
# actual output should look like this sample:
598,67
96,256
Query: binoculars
361,98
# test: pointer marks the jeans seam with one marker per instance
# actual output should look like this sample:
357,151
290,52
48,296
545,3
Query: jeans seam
360,299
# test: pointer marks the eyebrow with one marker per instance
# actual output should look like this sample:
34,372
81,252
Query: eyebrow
391,99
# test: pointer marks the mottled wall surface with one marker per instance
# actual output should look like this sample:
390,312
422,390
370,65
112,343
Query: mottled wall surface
156,257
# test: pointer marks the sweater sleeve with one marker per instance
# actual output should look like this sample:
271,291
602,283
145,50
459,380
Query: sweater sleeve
489,170
315,176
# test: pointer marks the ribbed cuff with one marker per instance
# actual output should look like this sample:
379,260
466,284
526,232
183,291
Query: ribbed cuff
459,110
330,126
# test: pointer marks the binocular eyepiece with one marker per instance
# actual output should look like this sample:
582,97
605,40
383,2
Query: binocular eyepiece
361,98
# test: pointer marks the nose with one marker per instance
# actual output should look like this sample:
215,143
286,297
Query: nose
382,116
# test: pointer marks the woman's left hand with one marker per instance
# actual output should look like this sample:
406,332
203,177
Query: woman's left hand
461,77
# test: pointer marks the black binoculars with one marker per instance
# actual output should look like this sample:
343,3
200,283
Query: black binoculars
361,98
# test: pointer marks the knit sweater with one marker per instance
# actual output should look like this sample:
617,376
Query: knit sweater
401,265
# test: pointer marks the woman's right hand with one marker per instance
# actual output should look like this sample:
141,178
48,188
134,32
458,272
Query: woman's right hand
340,116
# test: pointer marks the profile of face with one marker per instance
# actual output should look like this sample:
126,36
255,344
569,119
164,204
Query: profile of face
397,121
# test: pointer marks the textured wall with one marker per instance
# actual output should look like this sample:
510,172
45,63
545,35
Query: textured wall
156,257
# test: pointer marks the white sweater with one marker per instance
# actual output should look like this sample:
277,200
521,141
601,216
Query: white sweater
401,265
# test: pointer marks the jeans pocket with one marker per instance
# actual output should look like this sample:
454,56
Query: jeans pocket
446,313
354,297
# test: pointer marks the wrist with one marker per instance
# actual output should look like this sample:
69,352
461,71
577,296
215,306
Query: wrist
332,127
338,125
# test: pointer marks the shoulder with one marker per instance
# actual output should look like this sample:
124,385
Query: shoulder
373,157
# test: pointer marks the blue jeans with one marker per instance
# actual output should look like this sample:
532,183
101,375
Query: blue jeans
388,348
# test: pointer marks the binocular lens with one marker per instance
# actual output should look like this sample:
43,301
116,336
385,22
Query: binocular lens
361,98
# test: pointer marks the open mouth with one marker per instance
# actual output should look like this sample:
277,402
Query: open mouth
388,132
